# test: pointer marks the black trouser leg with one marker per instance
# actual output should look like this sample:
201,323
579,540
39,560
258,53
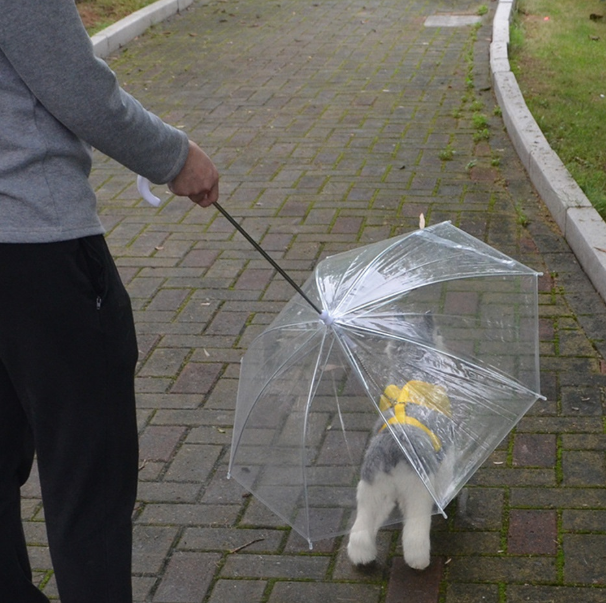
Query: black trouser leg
68,343
16,456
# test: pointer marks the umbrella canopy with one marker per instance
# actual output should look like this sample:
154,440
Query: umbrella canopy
434,321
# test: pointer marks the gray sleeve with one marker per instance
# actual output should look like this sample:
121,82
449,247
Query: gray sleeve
49,48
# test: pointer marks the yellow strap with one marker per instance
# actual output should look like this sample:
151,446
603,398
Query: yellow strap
425,394
402,419
421,393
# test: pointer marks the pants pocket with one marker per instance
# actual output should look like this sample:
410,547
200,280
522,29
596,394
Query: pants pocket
93,253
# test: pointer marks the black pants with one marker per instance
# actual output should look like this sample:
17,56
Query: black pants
67,358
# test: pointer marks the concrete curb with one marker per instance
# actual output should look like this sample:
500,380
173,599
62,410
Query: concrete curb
117,35
582,226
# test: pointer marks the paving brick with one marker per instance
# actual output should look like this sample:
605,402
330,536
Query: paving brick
406,584
228,323
221,490
579,520
199,258
276,566
210,435
142,587
349,225
254,279
228,591
168,491
164,362
197,378
553,594
188,514
168,299
534,450
157,443
233,541
193,463
532,532
503,569
373,573
445,543
144,287
504,476
187,578
473,593
558,498
579,400
583,468
163,400
303,592
151,545
480,509
584,555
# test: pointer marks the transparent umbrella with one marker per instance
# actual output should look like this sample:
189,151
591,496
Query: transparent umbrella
436,318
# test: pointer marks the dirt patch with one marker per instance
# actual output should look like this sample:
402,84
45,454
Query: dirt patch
89,15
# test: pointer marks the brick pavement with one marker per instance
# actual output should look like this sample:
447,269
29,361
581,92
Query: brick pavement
335,123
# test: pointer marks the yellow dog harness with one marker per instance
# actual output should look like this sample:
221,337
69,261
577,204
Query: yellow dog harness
432,397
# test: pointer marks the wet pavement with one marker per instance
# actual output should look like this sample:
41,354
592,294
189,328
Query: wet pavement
335,124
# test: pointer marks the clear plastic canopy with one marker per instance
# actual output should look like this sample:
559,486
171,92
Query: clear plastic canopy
436,307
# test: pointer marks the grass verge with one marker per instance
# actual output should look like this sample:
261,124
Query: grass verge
558,55
99,14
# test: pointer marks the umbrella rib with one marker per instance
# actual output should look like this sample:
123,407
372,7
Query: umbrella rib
499,377
444,279
278,370
310,396
355,365
370,265
295,326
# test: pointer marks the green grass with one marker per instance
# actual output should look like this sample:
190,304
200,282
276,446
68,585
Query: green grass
447,153
522,218
558,55
479,121
99,14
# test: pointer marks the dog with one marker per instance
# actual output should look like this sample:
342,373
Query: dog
420,417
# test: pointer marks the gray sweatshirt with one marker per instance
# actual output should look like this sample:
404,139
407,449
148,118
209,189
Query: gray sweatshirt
56,101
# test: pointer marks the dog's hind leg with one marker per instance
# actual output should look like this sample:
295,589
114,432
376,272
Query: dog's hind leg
375,503
416,505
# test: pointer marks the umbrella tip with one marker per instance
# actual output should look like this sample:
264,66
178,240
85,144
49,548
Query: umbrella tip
326,318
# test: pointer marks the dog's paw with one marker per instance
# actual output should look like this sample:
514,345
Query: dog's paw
417,557
361,548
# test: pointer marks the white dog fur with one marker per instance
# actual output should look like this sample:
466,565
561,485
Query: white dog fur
388,479
402,486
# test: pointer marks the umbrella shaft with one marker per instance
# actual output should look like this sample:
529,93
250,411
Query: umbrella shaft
267,257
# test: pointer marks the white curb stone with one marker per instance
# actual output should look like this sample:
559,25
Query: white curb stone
582,226
117,35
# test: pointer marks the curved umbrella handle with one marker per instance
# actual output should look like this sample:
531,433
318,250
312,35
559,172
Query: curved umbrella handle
143,187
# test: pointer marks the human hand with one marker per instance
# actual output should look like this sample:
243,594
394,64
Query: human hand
198,179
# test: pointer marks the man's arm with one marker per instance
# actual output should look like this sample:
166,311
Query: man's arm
47,45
